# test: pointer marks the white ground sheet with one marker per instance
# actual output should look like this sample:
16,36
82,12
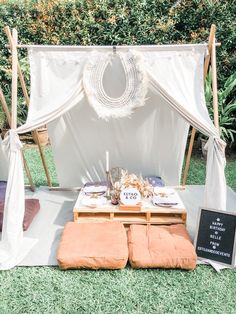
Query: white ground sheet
56,210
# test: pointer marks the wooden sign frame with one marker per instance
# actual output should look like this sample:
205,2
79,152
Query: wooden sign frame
201,209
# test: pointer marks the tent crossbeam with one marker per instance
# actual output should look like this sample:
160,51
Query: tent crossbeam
119,47
13,48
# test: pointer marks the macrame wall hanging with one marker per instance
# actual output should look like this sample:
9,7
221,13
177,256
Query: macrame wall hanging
136,84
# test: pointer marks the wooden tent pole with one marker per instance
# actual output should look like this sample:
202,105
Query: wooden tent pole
21,77
14,81
28,174
193,133
27,100
188,158
8,115
45,166
210,43
214,85
12,118
4,107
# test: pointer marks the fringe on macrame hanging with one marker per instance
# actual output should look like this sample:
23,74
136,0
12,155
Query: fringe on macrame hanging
136,84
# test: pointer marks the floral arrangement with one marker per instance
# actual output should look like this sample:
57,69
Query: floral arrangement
132,181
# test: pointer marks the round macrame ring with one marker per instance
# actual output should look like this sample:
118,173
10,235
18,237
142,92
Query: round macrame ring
135,91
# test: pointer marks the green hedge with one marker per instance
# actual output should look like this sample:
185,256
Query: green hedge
109,22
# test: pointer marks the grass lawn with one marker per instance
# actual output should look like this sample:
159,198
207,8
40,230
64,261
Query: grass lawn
49,290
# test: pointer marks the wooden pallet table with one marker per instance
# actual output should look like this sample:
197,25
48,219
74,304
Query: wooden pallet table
149,214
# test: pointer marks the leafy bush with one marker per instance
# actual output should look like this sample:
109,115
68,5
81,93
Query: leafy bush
113,22
226,107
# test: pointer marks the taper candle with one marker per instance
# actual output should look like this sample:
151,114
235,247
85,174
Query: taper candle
107,161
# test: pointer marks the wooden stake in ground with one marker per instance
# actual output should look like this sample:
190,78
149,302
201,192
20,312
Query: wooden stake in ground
211,46
27,100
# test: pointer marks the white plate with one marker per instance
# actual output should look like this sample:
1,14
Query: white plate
95,189
92,201
165,201
163,205
163,190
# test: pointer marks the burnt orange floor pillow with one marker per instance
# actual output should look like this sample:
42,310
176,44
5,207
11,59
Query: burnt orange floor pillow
93,245
160,247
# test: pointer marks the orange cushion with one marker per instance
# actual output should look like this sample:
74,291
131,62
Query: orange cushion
160,247
93,245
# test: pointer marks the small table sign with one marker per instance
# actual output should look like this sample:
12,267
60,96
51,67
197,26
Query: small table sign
130,198
215,237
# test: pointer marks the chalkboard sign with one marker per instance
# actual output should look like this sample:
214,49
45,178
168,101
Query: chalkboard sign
215,238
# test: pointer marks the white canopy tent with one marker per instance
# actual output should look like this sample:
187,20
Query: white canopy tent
137,103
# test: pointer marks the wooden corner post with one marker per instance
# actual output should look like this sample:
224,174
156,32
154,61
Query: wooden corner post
5,107
214,83
14,81
26,96
211,52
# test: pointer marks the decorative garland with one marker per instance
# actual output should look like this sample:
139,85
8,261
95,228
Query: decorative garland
136,84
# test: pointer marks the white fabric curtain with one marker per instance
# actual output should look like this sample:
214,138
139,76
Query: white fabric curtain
13,246
3,163
56,88
56,85
12,233
137,144
193,109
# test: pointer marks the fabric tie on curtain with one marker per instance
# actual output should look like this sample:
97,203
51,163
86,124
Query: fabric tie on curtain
12,142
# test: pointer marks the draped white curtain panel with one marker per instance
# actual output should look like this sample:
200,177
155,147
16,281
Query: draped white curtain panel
3,163
160,92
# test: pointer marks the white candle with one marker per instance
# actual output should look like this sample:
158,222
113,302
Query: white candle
107,161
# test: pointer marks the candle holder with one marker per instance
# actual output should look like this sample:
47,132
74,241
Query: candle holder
108,192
